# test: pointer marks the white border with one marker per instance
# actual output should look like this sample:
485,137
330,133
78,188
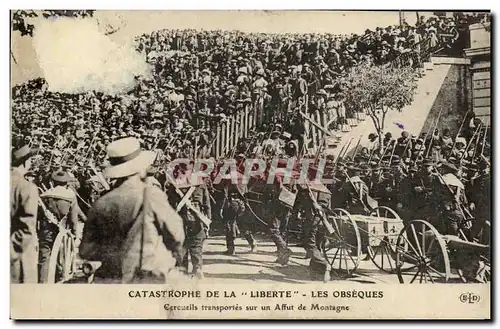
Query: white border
422,5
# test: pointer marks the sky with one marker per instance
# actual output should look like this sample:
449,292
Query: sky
342,22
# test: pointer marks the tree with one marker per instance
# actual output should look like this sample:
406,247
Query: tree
376,90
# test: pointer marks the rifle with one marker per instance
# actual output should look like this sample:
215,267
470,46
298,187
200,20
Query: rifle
356,148
460,129
484,139
372,203
478,137
469,144
464,211
187,202
432,136
319,211
48,214
338,157
102,180
394,149
347,148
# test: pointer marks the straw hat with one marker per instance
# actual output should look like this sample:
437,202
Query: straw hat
61,177
126,158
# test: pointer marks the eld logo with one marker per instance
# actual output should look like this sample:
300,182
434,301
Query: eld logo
470,298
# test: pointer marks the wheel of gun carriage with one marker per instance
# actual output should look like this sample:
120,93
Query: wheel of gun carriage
342,248
62,262
427,253
382,251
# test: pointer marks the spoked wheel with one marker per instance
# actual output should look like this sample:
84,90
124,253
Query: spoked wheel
383,255
342,249
426,252
62,262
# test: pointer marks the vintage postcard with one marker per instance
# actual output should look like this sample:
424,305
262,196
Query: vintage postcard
250,164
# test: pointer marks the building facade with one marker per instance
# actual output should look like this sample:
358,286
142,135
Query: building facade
480,56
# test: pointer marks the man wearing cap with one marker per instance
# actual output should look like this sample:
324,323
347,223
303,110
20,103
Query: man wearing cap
132,229
62,204
459,150
23,216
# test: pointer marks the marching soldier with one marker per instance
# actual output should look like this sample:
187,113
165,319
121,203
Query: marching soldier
314,214
23,216
194,226
62,204
278,214
233,213
132,229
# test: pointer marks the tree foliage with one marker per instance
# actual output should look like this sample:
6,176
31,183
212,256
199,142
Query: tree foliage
376,90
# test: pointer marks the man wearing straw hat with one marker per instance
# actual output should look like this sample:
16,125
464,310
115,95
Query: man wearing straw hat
23,212
132,229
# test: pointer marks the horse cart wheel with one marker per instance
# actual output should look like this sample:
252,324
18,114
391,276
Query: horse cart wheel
383,255
426,252
62,262
342,249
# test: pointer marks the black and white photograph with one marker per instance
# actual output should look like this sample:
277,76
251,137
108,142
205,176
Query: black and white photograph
251,147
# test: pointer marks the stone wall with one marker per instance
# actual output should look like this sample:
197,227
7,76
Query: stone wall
454,98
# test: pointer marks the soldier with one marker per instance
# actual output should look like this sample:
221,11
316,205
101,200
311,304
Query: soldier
406,198
424,187
62,204
314,214
372,145
451,196
387,143
354,192
366,173
278,214
194,226
403,145
418,149
23,215
233,211
480,196
459,150
375,184
132,229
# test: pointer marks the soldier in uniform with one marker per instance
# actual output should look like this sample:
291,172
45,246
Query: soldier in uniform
233,213
404,145
62,204
314,213
23,216
480,196
132,229
278,214
354,192
194,227
425,192
451,195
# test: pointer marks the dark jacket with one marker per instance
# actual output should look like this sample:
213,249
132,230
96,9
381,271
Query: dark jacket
23,236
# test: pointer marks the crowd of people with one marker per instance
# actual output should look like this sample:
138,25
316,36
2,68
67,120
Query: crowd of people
200,78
